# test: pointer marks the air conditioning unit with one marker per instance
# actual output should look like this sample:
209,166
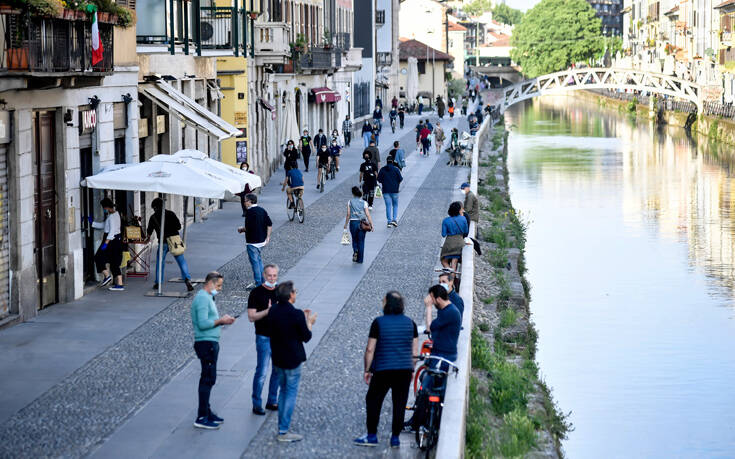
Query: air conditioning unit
216,32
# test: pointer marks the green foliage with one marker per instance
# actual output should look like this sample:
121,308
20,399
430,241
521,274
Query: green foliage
518,434
482,355
484,327
507,15
632,105
508,317
498,258
509,386
455,88
496,236
478,7
554,34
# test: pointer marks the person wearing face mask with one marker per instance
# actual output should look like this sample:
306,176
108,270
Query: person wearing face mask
471,204
335,138
260,301
291,156
290,329
305,142
111,249
446,282
207,327
369,178
322,164
320,140
334,150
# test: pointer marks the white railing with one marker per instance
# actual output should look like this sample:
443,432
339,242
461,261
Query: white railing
272,40
454,414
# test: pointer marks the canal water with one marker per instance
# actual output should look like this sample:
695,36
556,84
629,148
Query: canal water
631,261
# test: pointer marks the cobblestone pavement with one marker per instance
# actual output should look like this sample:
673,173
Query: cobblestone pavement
330,410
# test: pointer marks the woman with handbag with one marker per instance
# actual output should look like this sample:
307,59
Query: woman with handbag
454,230
171,242
358,217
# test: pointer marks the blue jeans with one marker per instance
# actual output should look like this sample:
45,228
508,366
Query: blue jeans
288,384
263,348
257,263
180,260
391,206
358,239
366,138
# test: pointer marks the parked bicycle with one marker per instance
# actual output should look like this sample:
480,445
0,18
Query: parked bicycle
295,208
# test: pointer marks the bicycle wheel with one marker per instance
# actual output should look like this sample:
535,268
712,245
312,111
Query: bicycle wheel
432,428
321,181
291,212
417,379
300,210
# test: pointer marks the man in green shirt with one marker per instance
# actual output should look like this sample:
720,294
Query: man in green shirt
207,326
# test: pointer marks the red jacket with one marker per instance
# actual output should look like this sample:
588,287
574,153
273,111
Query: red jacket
424,133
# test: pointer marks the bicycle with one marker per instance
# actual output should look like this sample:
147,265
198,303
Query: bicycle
332,168
429,403
296,208
322,177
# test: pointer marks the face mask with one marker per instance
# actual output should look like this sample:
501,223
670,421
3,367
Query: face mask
270,284
214,292
446,286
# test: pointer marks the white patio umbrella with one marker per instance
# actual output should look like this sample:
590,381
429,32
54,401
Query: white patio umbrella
412,82
201,160
167,175
290,124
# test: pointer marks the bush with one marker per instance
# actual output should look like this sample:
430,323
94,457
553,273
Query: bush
518,434
498,258
508,317
509,386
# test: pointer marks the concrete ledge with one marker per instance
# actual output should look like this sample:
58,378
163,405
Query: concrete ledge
454,414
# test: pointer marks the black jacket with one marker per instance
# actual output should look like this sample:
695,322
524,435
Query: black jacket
171,222
319,140
257,222
289,332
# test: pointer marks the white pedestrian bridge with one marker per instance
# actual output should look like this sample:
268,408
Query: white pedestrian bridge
601,78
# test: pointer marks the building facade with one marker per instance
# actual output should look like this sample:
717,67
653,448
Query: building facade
432,67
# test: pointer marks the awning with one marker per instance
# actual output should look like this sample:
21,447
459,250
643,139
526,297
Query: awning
325,95
179,104
266,105
214,92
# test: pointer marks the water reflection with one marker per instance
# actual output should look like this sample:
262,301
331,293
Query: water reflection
631,256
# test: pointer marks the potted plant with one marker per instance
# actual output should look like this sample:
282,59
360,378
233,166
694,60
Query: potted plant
327,39
299,45
18,46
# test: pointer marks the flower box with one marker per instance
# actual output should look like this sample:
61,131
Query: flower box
17,58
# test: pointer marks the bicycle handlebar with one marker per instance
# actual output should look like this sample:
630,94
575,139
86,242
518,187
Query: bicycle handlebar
440,359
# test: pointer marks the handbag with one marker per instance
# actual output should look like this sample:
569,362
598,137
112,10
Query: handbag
176,245
345,238
378,192
365,225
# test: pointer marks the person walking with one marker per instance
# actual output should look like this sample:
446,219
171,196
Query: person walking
305,142
358,212
394,102
260,301
398,155
246,167
207,326
257,229
439,137
454,230
440,107
390,178
290,329
420,101
450,108
347,130
389,359
320,139
471,204
290,161
376,133
367,133
368,178
172,225
378,117
424,139
111,249
402,114
374,153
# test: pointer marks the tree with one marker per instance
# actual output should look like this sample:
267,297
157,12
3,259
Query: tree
507,15
477,7
554,34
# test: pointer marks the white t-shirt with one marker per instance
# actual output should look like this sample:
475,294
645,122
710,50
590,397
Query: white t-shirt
111,226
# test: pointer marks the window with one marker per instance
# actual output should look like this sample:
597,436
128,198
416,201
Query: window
422,67
379,17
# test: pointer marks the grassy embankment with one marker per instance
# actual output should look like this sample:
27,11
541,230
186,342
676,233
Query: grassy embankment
511,411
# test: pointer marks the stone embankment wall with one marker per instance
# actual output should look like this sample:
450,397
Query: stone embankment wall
511,411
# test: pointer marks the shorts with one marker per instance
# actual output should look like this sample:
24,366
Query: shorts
322,164
334,155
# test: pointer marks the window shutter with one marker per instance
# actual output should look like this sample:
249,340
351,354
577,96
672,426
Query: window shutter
126,3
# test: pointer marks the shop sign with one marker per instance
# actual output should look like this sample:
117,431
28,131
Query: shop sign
89,121
241,151
241,117
142,128
160,124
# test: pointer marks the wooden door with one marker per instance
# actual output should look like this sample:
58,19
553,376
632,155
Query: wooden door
87,206
45,206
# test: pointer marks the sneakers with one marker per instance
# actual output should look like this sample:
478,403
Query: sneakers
271,406
317,187
116,288
366,440
289,437
354,256
394,224
155,286
205,423
259,411
216,419
389,225
370,208
106,281
395,441
189,287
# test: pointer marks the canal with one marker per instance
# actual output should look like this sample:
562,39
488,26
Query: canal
631,262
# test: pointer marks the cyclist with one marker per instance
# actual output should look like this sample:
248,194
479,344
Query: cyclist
378,117
392,115
401,114
305,142
322,156
334,150
295,181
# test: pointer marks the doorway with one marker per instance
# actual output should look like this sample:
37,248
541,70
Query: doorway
44,169
87,169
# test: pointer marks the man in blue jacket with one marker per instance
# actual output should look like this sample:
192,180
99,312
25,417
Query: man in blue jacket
390,178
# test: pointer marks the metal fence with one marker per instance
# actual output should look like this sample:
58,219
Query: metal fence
318,59
342,41
219,27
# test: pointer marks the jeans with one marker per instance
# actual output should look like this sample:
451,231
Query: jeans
257,264
398,382
263,348
425,144
288,384
348,137
180,260
391,206
207,351
377,140
366,138
421,108
358,239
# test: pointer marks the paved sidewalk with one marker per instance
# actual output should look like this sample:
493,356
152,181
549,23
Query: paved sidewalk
66,402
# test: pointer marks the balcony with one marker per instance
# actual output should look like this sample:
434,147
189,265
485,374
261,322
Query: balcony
321,59
383,59
343,41
271,43
54,47
353,60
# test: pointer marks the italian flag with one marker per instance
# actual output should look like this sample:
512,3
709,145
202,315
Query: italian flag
97,48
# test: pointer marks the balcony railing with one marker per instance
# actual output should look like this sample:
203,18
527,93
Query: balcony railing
383,59
219,27
343,41
321,59
271,42
52,45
